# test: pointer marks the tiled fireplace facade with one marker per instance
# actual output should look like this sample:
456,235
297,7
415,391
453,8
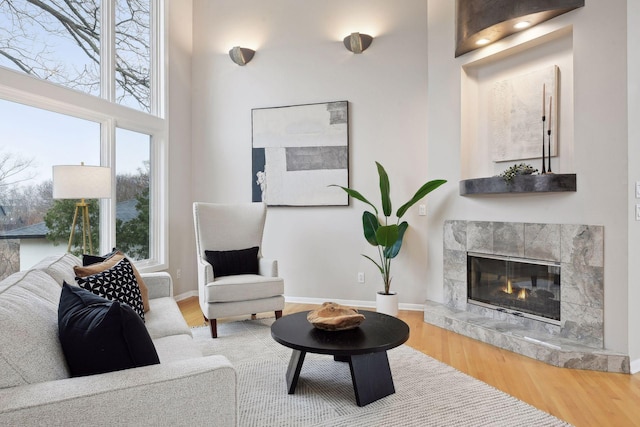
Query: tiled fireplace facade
578,342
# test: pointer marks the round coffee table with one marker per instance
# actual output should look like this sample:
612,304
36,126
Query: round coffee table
365,348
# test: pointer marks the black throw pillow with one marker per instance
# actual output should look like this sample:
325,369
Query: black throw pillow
88,259
230,263
117,283
98,335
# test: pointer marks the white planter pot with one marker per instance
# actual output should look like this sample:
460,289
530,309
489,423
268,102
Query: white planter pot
387,304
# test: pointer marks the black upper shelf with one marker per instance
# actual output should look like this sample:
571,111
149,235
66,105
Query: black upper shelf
547,183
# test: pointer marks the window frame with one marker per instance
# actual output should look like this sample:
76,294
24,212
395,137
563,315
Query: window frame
22,88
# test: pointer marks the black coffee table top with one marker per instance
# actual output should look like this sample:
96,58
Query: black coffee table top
378,332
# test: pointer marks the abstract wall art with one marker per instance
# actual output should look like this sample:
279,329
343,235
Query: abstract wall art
298,151
516,107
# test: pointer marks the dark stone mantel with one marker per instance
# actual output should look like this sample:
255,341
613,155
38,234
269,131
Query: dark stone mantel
553,182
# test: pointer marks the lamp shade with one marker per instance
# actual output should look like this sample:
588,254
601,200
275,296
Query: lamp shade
81,182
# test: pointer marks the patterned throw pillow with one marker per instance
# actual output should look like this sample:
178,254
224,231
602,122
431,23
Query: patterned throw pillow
92,264
117,283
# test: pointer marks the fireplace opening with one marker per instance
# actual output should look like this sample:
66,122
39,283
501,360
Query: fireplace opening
522,287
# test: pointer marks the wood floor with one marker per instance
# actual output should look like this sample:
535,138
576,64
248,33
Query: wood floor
582,398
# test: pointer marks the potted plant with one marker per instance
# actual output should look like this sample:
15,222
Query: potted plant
386,235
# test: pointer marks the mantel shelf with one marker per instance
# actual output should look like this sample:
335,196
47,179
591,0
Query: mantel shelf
547,183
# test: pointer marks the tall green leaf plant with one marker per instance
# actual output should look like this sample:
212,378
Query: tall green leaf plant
386,235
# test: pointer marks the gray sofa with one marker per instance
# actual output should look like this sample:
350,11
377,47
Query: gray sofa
186,388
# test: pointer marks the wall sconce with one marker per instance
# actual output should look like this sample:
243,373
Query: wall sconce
357,43
481,22
241,55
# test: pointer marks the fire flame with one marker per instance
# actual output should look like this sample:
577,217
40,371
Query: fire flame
508,289
522,293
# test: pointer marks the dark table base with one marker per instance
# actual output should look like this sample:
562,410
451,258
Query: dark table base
370,375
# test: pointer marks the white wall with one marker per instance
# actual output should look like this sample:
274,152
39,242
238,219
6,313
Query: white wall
599,143
633,57
181,232
300,59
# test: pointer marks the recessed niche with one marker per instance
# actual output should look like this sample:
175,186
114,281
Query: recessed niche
481,73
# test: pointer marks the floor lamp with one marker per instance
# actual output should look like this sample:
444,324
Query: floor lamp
81,182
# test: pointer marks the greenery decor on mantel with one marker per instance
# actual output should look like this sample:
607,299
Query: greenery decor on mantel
519,169
386,235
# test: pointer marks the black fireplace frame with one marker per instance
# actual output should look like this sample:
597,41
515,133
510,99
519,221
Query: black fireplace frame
511,309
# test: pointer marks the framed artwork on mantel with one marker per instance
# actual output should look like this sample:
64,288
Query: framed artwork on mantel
516,107
298,151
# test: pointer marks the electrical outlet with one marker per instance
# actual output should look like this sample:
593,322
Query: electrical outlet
422,210
637,212
361,277
178,273
637,189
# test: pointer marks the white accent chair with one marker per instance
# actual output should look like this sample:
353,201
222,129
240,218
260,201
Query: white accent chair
225,227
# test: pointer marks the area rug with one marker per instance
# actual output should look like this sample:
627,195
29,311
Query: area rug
428,392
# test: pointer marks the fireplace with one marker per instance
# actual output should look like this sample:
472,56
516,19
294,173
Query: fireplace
558,258
521,287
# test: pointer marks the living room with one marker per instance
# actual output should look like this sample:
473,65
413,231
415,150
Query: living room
413,108
405,110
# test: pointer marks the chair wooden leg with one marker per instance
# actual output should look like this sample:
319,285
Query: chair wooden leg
213,325
278,314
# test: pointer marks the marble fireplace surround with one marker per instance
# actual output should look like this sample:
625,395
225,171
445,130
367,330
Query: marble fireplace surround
578,342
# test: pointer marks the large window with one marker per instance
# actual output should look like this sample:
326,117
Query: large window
53,40
132,50
27,153
132,193
66,42
80,82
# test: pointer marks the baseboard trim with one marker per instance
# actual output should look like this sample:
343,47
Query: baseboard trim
352,303
185,295
634,366
318,301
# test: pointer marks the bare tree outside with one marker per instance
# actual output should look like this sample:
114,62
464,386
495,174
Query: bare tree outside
130,185
59,41
9,257
13,170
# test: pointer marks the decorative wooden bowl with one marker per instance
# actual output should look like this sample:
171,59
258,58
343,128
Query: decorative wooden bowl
335,317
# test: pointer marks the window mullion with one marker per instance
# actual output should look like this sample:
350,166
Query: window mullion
107,132
108,206
157,43
107,50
